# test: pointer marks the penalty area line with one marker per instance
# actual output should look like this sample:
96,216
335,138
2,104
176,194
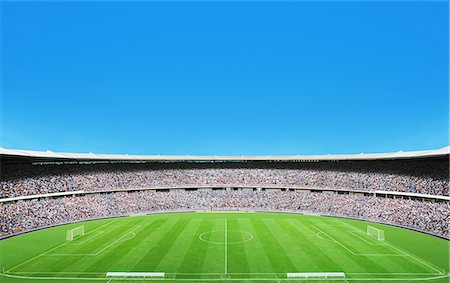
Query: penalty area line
422,261
334,240
402,251
358,236
54,248
118,240
88,239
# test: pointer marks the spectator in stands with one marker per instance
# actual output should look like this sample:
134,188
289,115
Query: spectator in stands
16,217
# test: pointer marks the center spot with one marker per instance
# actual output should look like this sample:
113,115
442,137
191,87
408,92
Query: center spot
229,237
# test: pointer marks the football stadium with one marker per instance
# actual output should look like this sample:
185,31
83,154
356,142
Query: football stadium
316,218
224,141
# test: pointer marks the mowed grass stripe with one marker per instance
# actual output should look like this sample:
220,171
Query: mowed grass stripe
296,239
400,264
311,256
323,250
237,257
257,259
149,242
337,252
67,256
93,245
396,264
127,260
179,251
359,243
194,258
215,254
108,259
108,246
44,241
334,257
275,252
187,254
151,259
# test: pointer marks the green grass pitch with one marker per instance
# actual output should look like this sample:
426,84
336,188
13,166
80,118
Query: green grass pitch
218,247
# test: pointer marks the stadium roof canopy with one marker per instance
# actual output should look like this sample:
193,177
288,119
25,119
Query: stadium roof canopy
43,156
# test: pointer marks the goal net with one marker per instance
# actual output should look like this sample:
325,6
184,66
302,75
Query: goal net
72,233
375,233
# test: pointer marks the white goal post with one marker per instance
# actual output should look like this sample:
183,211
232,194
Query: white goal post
72,233
375,233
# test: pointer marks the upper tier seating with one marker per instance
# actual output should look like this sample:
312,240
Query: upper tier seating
426,176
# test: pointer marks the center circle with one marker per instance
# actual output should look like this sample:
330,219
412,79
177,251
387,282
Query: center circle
222,237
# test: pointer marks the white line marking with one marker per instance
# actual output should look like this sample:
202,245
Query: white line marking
201,237
348,249
35,257
52,249
334,240
226,245
398,255
88,239
213,279
68,254
118,240
420,260
356,235
127,239
318,235
249,273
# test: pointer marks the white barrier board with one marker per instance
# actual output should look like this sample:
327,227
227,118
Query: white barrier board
315,275
135,274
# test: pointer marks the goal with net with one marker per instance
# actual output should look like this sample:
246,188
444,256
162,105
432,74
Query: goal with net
75,232
375,233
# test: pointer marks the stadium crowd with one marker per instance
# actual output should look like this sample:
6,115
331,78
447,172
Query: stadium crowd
16,217
427,177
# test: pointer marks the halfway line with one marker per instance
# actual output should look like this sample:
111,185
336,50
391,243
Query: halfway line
226,246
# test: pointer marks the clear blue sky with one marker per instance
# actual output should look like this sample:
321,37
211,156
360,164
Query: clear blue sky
223,78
